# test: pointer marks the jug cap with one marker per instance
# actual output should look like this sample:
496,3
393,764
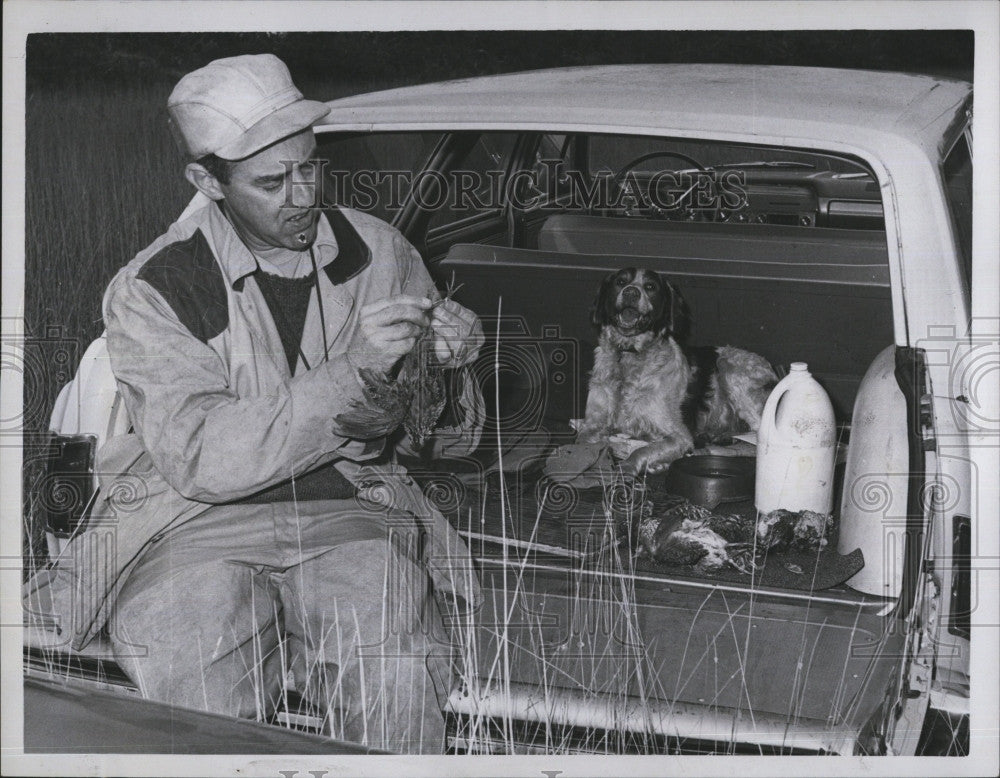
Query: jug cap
799,367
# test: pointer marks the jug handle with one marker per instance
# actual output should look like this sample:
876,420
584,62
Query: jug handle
768,416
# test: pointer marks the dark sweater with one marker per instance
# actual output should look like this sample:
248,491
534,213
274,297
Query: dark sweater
288,301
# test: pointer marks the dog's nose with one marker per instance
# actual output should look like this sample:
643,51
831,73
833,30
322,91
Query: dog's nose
630,295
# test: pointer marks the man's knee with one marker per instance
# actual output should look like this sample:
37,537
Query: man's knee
245,683
374,588
204,641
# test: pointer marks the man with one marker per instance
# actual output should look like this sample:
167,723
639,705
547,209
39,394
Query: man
275,539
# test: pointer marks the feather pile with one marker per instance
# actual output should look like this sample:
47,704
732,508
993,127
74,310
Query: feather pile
690,535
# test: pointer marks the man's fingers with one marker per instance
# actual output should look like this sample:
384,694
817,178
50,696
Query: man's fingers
397,313
445,304
443,351
446,318
397,348
422,303
450,311
451,324
396,323
400,331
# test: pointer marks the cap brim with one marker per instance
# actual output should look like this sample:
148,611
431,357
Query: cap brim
274,127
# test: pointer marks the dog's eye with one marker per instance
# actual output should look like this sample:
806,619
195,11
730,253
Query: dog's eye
620,282
649,286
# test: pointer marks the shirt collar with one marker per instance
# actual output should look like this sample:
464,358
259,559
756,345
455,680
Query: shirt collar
336,239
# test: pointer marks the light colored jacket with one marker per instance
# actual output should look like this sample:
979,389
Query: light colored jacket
218,416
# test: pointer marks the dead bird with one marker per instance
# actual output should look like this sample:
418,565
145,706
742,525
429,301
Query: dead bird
689,534
414,394
693,543
812,530
781,529
428,393
424,380
776,530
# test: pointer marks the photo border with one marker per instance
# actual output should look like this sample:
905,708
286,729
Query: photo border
22,17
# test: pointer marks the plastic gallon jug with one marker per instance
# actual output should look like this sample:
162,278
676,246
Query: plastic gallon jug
796,446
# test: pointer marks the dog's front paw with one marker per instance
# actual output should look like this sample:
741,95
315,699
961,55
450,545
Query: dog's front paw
592,433
646,460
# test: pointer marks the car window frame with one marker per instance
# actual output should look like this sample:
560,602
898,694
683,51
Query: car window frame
328,137
963,247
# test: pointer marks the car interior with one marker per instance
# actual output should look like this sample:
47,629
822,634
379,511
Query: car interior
780,251
795,269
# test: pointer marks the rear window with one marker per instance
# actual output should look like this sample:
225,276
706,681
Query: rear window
612,153
680,179
372,172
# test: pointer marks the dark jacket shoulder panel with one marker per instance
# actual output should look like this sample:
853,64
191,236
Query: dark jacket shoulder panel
187,276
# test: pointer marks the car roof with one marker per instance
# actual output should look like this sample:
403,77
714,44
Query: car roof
738,102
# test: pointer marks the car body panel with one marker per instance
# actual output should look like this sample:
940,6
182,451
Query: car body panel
821,105
734,649
66,718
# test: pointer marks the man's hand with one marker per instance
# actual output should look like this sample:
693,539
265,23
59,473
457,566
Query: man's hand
458,334
389,329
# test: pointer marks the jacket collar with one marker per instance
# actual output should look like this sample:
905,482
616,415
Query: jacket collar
353,256
340,251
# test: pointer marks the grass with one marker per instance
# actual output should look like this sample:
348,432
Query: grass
600,688
98,189
619,681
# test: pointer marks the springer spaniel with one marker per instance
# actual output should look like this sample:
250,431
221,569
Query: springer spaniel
648,385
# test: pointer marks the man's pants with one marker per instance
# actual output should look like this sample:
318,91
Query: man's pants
221,609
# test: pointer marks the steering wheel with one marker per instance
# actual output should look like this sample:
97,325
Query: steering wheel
619,177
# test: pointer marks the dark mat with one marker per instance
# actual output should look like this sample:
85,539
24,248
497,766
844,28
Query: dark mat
792,568
549,518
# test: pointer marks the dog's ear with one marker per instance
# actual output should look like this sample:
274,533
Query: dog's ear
602,311
664,301
676,320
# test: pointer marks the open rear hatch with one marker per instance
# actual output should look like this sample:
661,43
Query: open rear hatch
577,631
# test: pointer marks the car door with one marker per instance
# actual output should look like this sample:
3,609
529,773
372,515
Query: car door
459,196
936,602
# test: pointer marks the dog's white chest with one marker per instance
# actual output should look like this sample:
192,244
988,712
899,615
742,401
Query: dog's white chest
653,382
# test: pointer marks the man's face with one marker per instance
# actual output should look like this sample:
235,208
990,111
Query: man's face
265,208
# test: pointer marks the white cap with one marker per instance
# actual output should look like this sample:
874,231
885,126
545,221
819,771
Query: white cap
236,106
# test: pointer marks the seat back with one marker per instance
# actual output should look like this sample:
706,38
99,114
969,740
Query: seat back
836,316
87,411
